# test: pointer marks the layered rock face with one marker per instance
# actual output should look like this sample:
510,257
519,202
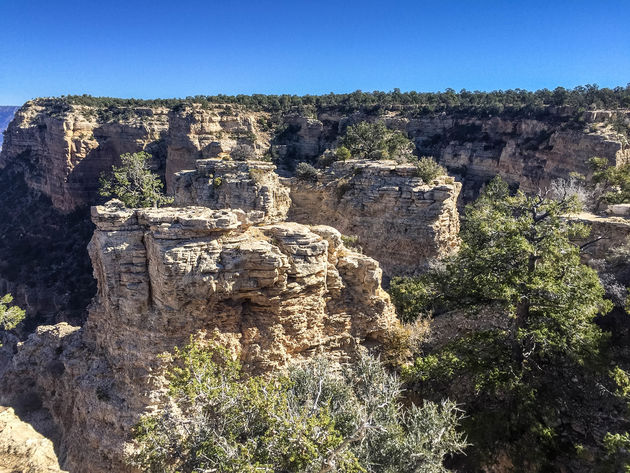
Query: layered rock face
59,151
251,186
527,152
63,149
271,293
62,153
395,217
201,133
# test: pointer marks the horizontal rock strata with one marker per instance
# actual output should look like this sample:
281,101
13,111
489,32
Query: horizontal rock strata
251,186
271,293
392,214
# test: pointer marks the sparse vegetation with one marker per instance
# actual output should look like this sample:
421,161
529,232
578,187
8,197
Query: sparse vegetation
318,417
10,315
498,102
428,170
611,183
306,172
536,369
134,183
375,141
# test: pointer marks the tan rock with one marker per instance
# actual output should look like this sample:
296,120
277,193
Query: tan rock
22,448
271,293
252,186
399,220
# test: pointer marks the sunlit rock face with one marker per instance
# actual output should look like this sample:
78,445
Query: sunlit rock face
271,293
252,186
394,216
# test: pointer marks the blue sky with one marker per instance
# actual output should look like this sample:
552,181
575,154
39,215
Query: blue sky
148,49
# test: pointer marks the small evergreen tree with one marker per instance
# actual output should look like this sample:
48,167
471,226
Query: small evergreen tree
10,316
612,183
428,169
539,363
134,183
375,141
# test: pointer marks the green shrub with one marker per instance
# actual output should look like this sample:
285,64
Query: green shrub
411,297
428,170
134,183
306,172
533,367
217,181
352,241
317,417
10,316
342,153
375,141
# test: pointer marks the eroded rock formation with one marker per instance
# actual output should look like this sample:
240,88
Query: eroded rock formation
394,216
271,293
251,186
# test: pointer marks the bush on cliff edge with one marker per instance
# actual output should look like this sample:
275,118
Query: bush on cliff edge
134,183
317,417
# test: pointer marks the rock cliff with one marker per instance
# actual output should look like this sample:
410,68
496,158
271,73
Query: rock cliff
58,150
251,186
384,208
271,293
63,148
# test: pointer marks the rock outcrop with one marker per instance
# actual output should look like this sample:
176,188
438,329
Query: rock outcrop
386,209
58,151
607,234
63,151
22,448
252,186
271,293
63,148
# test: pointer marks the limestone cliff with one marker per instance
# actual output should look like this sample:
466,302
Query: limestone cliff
63,149
394,216
251,186
272,293
58,150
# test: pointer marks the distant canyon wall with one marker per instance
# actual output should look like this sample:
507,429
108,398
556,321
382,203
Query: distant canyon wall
63,152
54,155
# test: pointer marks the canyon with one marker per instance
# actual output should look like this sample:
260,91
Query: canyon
6,115
274,267
55,151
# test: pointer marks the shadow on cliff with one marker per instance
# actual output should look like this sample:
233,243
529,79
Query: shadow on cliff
83,181
43,257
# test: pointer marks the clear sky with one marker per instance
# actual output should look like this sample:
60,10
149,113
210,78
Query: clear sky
175,48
